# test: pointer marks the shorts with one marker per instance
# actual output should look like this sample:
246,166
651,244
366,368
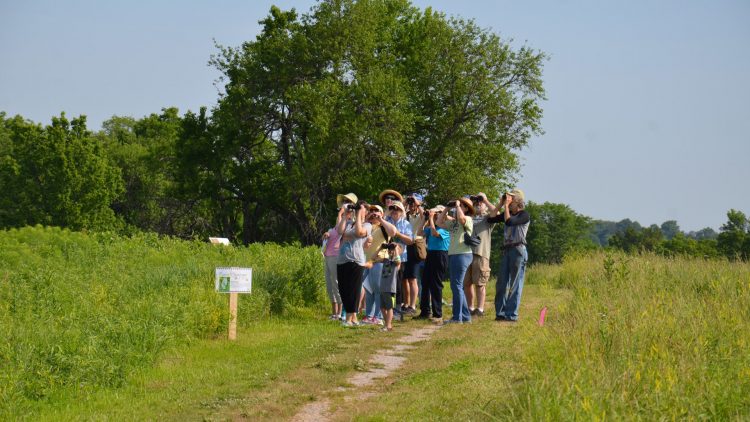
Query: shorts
411,267
478,272
387,300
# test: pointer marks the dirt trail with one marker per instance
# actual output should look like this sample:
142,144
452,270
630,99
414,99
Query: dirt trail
382,364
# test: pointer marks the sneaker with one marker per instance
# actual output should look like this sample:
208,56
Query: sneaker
473,311
386,329
348,324
411,311
379,321
333,317
479,312
366,321
422,316
452,321
500,318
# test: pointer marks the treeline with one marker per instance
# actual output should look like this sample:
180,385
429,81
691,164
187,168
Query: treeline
354,96
557,230
132,176
351,97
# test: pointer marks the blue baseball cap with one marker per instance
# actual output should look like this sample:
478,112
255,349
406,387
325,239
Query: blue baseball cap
417,196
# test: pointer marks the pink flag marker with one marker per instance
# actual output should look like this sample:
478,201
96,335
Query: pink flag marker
542,315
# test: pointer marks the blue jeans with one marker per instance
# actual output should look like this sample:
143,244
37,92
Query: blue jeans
372,296
510,282
457,265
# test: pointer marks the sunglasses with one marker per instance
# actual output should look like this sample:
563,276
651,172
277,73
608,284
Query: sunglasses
391,197
393,208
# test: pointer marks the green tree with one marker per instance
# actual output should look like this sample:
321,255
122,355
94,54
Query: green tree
733,240
681,244
360,95
144,150
670,229
556,230
55,175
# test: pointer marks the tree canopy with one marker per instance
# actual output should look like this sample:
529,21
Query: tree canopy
359,96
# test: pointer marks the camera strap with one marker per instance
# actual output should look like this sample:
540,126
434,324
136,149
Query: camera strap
385,235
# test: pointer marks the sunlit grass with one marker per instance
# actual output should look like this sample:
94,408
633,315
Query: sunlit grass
81,312
627,337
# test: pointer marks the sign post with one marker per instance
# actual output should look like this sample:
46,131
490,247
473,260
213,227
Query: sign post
233,280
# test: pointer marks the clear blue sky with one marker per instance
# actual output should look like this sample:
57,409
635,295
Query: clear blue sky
647,117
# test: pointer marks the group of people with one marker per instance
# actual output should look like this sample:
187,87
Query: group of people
375,254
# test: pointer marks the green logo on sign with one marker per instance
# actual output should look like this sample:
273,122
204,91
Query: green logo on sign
224,284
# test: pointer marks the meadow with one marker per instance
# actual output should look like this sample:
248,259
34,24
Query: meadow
102,327
81,312
626,338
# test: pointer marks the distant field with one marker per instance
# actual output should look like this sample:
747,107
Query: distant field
95,326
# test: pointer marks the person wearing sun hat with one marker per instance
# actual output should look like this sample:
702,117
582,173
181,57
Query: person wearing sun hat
399,229
415,217
375,254
478,273
509,285
332,240
459,254
351,260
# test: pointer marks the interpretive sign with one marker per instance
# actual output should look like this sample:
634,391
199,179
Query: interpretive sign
234,280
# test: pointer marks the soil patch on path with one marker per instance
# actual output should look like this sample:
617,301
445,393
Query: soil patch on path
380,365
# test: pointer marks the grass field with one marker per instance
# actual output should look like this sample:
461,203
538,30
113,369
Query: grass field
83,312
96,327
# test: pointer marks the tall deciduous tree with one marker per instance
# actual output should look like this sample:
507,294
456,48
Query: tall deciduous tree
362,95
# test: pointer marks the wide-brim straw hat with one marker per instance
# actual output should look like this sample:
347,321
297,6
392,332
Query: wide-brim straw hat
340,198
468,204
390,192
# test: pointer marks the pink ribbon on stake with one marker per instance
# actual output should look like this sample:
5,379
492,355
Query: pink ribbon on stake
542,315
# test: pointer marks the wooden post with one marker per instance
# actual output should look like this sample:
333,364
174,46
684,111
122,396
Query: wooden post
233,316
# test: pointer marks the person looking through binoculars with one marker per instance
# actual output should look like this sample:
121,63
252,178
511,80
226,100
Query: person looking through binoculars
478,273
354,231
415,215
458,221
513,265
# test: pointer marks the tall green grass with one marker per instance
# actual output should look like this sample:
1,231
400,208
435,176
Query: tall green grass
83,311
644,337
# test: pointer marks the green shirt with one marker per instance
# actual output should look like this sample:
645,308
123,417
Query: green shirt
457,230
